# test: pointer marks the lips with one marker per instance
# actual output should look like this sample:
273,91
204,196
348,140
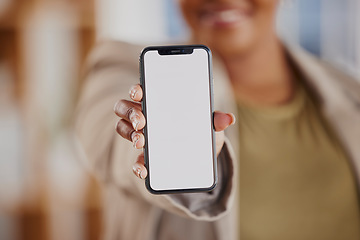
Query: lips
222,16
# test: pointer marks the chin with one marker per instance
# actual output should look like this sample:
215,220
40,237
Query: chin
228,44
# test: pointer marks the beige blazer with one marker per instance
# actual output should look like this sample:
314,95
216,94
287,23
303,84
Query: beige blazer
130,212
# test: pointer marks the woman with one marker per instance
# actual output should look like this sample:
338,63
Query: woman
297,131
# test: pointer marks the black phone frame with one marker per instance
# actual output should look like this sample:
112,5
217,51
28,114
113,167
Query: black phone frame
177,50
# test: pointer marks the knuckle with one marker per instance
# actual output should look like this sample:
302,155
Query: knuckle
122,101
129,134
116,106
119,105
117,127
123,129
129,112
120,127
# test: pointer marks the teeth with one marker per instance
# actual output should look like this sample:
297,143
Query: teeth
228,16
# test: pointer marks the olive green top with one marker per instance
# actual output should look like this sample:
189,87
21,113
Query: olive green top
295,179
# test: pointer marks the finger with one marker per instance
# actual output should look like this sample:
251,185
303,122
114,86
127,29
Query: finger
220,138
124,129
131,112
138,140
139,168
136,93
223,120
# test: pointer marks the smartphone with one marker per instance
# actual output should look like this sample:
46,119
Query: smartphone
179,134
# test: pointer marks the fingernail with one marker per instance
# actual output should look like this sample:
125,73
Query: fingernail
133,92
135,139
135,121
137,171
135,124
233,119
142,174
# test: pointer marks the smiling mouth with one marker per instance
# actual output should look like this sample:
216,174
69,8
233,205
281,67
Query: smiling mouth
222,17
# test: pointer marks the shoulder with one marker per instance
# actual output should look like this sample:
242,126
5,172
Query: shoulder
322,73
345,79
108,53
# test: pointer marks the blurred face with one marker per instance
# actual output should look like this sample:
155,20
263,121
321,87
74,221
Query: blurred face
230,26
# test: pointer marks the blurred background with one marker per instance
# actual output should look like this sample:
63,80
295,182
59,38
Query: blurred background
45,191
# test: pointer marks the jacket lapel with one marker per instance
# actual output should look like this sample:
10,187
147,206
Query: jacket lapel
340,100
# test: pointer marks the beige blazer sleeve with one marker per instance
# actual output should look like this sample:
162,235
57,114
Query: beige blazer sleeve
110,71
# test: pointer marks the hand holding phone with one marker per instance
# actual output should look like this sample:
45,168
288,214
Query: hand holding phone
133,121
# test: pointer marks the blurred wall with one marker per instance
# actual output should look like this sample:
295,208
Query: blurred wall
45,192
136,21
329,29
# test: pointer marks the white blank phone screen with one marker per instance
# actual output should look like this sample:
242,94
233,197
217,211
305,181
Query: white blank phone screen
179,120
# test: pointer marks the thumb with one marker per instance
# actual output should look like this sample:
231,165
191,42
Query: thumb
223,120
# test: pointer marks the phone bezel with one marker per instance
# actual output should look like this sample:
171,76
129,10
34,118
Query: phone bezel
173,50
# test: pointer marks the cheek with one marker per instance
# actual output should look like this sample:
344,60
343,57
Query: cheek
265,11
269,6
267,3
189,9
266,7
